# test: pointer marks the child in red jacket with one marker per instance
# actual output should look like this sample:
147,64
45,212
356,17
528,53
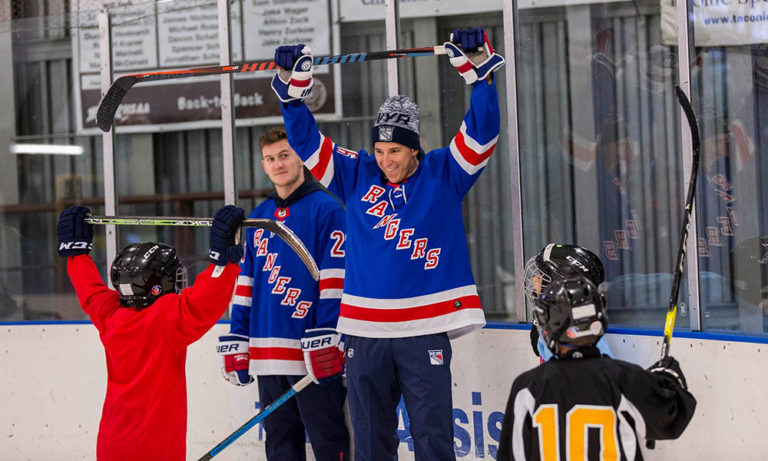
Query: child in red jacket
145,327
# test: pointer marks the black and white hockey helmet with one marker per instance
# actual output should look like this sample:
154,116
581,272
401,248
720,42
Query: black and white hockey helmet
144,271
556,261
570,311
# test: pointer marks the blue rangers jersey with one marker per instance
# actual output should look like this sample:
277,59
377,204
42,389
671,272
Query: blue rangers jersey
276,299
408,270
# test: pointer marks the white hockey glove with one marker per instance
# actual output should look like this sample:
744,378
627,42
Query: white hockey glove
293,80
233,350
322,355
472,55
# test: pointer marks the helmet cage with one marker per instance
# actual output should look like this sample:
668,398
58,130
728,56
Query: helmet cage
535,280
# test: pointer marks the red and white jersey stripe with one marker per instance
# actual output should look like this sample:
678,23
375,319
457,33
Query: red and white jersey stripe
320,163
276,356
471,155
243,291
457,311
331,283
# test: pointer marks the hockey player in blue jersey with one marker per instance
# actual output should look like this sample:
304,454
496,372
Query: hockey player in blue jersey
557,261
409,288
278,308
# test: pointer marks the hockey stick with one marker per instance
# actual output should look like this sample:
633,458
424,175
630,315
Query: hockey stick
669,324
114,96
295,389
276,227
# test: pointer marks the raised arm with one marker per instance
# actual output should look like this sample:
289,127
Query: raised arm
203,303
332,165
75,242
473,57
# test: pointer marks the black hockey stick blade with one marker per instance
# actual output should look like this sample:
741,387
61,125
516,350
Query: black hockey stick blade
669,324
112,99
274,226
105,115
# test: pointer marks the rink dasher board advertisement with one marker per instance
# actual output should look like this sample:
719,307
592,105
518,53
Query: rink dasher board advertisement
183,35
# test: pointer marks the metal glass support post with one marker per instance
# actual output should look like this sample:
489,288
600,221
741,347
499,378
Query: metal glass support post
108,138
691,247
514,157
227,107
392,24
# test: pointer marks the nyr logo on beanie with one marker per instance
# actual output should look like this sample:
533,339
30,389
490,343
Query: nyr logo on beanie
385,133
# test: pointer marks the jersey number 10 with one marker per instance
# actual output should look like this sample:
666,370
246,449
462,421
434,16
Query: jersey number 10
578,421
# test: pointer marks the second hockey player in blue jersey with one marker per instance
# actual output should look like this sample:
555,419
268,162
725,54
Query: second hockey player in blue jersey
409,288
278,308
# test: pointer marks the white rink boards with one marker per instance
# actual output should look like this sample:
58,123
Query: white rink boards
53,384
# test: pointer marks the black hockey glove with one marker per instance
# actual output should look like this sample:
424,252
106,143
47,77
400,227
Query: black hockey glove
668,367
75,235
226,224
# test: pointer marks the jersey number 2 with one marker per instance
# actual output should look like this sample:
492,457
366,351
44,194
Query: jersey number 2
578,421
336,250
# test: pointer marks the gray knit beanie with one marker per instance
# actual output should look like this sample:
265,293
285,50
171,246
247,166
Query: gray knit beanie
397,121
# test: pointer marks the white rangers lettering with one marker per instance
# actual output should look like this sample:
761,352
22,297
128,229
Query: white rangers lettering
433,258
373,194
727,198
721,181
385,220
713,237
733,215
273,274
301,310
391,230
269,263
419,245
279,287
702,245
725,225
262,251
257,236
404,243
378,209
610,250
632,228
336,250
290,297
622,242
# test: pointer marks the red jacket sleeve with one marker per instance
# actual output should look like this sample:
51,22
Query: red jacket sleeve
96,299
199,306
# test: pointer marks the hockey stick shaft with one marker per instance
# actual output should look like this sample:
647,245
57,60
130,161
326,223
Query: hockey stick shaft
295,389
114,96
669,324
277,227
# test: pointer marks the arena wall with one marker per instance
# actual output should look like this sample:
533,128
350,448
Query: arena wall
53,383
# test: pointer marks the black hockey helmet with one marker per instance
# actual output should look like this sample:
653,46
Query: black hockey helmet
144,271
560,261
570,311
